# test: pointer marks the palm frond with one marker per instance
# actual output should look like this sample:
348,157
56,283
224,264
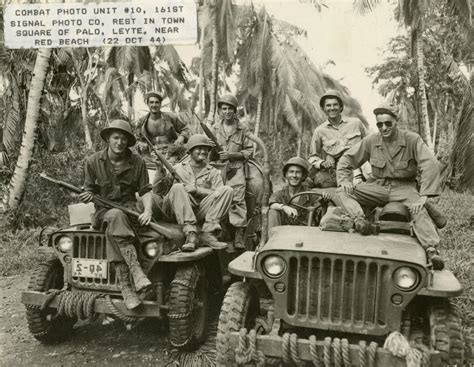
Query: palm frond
291,117
364,7
12,121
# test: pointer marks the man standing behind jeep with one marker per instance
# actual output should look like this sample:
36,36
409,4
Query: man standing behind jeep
161,128
332,138
396,157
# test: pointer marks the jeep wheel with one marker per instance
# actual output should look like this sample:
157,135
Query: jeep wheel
446,336
188,307
239,310
45,325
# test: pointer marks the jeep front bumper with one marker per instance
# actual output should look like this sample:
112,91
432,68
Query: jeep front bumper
147,309
327,353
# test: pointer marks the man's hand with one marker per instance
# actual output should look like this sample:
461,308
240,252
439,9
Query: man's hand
86,196
179,140
289,211
348,187
190,189
145,218
326,196
417,205
224,155
212,143
327,164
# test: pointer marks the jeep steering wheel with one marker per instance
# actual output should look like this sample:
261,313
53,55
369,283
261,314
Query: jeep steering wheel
309,209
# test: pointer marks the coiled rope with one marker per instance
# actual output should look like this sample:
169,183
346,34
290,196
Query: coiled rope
314,352
327,352
398,345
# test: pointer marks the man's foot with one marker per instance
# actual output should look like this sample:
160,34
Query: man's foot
190,244
239,241
210,240
433,257
365,228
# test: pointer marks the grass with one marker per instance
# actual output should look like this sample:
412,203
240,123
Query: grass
18,251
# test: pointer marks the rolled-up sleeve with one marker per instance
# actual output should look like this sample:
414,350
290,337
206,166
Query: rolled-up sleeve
216,179
429,170
353,158
180,127
247,147
315,158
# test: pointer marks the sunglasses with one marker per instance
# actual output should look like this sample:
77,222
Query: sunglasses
386,123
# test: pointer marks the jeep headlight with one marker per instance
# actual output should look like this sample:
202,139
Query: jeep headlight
64,244
405,278
274,266
152,249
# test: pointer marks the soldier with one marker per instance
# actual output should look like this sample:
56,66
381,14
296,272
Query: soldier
117,174
230,134
161,128
211,198
332,138
295,172
396,157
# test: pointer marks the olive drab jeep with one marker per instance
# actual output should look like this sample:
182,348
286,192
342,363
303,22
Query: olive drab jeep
77,281
335,298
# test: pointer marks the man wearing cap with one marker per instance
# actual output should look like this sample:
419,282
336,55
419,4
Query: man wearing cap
161,128
211,198
396,157
237,149
116,174
332,138
295,172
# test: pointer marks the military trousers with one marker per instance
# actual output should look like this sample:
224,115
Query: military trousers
238,209
381,192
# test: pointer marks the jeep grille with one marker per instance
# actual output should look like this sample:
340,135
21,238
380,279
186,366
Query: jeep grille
333,292
93,246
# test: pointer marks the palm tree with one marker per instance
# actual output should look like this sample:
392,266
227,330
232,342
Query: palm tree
18,180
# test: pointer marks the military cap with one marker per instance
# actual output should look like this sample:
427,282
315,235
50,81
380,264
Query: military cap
120,125
387,108
154,94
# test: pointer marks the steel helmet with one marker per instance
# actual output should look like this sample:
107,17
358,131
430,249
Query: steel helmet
197,140
331,93
229,99
395,211
296,161
122,126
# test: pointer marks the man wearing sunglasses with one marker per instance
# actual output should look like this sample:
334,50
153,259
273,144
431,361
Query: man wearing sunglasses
396,157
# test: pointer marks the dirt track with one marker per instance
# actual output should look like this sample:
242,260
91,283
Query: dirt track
89,344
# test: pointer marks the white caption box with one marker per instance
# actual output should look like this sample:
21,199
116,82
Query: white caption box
139,23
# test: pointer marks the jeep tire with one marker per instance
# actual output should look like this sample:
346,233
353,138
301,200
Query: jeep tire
446,336
188,309
45,325
239,310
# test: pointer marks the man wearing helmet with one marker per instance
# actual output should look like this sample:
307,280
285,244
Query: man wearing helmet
295,172
211,198
332,138
396,157
117,174
237,149
163,129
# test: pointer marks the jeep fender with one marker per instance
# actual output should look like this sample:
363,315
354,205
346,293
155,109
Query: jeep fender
242,266
442,283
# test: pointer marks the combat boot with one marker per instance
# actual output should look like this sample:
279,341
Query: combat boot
210,240
191,241
364,227
129,295
433,257
129,254
239,241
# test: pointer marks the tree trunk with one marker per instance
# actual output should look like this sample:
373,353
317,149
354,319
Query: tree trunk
18,181
212,109
85,120
258,118
420,57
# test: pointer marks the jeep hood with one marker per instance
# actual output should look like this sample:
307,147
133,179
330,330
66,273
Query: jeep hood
312,239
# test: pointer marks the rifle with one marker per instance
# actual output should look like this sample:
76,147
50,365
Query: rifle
167,232
169,167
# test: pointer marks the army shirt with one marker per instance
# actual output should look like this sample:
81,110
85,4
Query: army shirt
100,177
411,155
330,140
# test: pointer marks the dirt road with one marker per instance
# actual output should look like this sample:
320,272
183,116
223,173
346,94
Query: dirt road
90,343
